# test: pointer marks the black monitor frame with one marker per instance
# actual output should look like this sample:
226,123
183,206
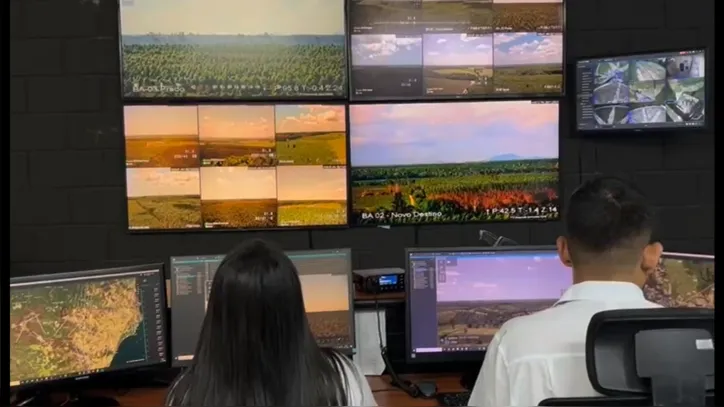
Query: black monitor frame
348,254
687,256
708,66
458,356
68,382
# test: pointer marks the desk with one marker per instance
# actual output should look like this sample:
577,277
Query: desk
385,394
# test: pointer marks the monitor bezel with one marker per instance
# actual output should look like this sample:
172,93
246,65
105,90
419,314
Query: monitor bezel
461,356
202,229
79,378
346,351
647,130
559,184
351,98
687,256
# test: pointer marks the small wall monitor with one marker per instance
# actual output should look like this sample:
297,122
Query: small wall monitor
682,280
69,326
233,49
326,285
235,166
458,298
454,162
412,49
661,90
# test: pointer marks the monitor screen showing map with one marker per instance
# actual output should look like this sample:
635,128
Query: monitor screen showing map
682,280
69,325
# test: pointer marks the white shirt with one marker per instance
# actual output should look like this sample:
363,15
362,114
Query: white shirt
543,355
359,393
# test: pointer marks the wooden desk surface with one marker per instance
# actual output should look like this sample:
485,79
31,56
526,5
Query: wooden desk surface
385,394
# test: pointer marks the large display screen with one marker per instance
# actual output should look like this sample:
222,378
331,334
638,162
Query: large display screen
235,166
454,162
642,91
682,280
455,48
235,49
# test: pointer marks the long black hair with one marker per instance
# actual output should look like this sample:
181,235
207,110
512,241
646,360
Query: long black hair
256,347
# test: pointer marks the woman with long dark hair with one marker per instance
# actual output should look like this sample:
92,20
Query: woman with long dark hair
256,347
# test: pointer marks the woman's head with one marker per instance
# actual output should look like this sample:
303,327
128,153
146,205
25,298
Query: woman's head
255,346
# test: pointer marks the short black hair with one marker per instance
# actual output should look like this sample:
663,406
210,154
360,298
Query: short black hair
606,214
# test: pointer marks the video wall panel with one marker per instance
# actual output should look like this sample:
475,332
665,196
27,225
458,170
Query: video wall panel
455,162
235,166
412,49
233,49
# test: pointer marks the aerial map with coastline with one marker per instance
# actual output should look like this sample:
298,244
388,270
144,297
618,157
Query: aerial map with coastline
64,330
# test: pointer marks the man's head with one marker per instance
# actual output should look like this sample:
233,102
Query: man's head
608,233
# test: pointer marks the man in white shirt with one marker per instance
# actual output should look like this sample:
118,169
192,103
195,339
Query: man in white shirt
608,244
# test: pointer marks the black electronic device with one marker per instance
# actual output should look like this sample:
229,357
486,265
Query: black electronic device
379,281
67,328
326,281
453,399
635,92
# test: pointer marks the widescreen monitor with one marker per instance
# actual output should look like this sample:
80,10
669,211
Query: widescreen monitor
682,280
412,49
69,326
233,49
454,162
458,298
642,91
235,166
325,276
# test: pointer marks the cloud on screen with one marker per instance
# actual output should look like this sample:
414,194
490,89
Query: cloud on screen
527,49
386,50
457,50
161,182
309,118
236,183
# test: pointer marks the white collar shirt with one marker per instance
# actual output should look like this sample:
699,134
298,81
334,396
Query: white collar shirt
542,355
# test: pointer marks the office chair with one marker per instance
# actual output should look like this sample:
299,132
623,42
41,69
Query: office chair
649,357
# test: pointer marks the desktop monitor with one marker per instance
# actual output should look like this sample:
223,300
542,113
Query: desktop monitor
69,326
210,167
326,281
413,49
682,280
471,292
233,49
662,90
455,162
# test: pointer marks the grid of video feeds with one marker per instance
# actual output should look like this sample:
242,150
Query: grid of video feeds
235,166
235,49
652,90
425,163
455,48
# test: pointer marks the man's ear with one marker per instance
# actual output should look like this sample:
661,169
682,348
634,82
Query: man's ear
652,254
563,254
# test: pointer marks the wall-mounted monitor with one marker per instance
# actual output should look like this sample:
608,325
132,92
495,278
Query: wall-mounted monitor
412,49
233,49
454,162
660,90
235,166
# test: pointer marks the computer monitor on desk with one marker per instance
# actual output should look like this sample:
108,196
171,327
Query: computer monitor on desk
69,326
457,298
682,280
326,284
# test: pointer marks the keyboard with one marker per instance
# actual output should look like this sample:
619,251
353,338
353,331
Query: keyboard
453,399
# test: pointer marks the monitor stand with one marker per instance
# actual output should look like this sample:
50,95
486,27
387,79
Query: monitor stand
468,379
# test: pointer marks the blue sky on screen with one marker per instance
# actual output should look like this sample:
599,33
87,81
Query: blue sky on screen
386,50
509,277
279,17
436,133
457,50
527,49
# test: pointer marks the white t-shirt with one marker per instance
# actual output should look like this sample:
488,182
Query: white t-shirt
543,355
358,389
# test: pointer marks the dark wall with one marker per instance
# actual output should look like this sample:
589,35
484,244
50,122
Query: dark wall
67,165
